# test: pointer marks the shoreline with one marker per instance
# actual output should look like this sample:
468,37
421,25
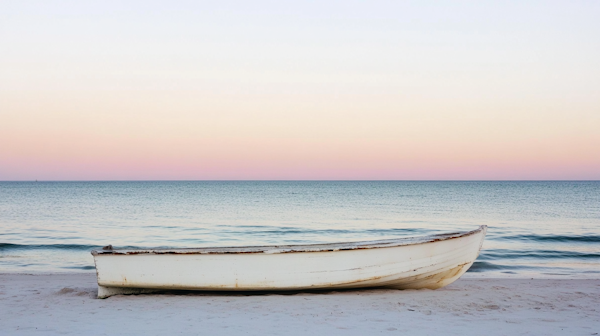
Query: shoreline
65,303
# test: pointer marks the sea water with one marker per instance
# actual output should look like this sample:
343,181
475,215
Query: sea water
536,229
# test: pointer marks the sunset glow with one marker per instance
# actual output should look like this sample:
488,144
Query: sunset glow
332,91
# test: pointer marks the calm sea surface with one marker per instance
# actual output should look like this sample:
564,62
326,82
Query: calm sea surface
536,229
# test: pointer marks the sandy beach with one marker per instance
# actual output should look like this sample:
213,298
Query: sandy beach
66,304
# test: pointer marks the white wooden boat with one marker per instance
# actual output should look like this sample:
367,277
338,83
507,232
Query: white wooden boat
418,262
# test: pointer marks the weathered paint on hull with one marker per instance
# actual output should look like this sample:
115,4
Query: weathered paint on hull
425,263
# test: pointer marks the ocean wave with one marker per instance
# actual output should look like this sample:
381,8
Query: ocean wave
553,238
358,232
69,247
541,254
485,266
86,268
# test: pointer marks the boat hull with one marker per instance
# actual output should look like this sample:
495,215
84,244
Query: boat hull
431,263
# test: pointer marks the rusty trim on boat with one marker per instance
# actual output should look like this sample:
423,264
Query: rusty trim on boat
277,249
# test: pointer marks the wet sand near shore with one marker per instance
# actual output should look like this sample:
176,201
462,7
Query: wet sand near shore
66,304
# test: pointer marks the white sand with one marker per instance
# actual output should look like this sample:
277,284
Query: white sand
65,304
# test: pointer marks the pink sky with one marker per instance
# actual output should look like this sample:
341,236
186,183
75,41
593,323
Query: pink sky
94,93
341,140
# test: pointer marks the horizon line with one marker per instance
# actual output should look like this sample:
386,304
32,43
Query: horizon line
315,180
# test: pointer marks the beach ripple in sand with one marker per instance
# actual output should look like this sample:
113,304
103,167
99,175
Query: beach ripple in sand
65,304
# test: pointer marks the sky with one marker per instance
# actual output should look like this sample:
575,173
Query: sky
307,90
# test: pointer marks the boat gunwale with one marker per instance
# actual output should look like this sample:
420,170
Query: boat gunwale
277,249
